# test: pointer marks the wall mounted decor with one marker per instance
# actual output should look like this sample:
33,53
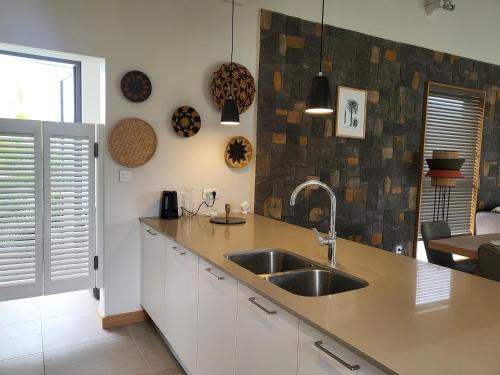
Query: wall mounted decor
132,142
186,121
236,79
351,112
238,152
136,86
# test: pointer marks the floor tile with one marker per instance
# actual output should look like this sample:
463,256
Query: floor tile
67,303
118,356
155,351
28,365
74,329
21,339
19,311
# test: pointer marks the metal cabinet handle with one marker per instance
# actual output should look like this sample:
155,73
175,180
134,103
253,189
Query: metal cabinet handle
209,270
179,251
319,345
151,232
253,301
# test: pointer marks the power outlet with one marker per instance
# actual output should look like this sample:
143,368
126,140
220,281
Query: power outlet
207,193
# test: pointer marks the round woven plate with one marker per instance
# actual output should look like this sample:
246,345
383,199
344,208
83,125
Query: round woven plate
132,142
238,152
243,86
186,121
136,86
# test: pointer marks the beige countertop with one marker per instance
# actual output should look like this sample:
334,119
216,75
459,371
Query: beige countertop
413,318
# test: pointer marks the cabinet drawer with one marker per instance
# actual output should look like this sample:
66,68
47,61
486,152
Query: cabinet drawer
266,335
217,308
320,355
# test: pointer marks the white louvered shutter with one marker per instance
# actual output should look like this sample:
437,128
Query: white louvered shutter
21,213
454,122
69,191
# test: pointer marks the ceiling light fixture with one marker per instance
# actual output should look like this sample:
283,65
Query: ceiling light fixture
320,96
230,112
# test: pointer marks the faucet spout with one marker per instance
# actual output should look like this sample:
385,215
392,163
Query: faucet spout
329,240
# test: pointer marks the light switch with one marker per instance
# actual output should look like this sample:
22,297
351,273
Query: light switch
125,176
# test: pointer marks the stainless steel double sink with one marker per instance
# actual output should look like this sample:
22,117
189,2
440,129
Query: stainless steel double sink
296,274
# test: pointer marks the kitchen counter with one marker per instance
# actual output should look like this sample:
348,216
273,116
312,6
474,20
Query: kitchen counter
413,318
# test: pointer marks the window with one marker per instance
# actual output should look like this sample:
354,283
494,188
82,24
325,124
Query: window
454,121
39,88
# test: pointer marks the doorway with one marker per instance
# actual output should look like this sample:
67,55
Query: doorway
453,122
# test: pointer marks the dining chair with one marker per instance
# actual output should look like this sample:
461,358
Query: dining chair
489,261
437,230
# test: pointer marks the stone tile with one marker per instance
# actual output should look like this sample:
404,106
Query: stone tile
277,81
390,55
68,303
18,311
273,207
155,352
21,339
74,329
106,357
295,42
27,365
375,55
278,138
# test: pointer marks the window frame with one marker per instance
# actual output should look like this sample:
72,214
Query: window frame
77,76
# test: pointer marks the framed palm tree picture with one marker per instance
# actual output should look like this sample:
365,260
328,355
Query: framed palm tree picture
351,112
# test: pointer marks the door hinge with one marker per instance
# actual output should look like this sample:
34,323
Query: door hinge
96,150
96,262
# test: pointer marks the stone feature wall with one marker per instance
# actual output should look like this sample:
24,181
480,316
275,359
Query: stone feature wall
375,179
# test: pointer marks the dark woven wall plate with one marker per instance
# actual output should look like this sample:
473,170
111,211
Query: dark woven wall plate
186,121
136,86
239,79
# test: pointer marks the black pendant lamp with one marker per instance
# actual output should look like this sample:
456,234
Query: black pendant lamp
230,113
320,96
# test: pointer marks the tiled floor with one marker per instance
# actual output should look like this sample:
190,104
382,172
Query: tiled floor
61,335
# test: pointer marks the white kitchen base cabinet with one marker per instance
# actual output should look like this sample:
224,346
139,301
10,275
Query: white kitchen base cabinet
153,274
266,337
181,303
320,355
217,308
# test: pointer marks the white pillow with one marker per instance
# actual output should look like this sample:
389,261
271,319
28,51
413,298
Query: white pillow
496,210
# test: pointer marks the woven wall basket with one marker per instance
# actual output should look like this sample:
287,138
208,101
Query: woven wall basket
132,142
238,152
243,86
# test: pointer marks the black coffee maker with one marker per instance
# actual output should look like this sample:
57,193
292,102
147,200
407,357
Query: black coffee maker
168,207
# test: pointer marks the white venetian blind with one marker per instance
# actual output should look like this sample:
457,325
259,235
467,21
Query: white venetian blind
454,120
69,192
20,210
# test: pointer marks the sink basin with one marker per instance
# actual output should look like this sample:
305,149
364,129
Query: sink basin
315,282
265,262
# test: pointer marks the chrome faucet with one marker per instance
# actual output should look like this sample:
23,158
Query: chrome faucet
331,238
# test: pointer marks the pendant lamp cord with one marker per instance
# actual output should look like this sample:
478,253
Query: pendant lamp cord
232,48
321,40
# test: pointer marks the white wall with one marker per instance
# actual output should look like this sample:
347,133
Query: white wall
178,43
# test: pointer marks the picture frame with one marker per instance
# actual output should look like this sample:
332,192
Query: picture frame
351,112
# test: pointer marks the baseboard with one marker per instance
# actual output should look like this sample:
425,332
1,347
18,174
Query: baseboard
118,320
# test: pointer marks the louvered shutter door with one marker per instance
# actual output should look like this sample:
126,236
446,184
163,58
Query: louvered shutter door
21,214
69,190
454,122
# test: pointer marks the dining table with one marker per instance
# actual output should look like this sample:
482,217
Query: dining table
466,245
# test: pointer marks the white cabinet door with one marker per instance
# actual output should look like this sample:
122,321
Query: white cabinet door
181,303
320,355
266,337
218,297
153,274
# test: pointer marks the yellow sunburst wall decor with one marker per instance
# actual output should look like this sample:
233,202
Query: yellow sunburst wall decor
238,152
